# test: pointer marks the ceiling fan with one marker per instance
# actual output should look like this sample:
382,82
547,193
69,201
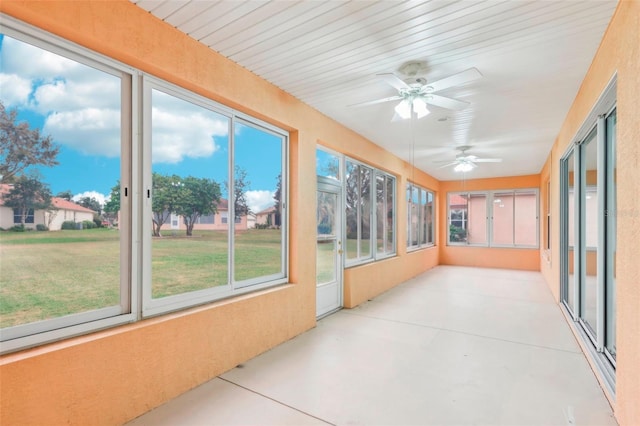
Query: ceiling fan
414,96
465,162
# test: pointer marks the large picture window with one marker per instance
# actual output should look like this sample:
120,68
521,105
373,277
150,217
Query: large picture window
113,157
495,218
419,217
68,111
194,177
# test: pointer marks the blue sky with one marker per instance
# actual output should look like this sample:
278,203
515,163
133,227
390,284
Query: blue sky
79,107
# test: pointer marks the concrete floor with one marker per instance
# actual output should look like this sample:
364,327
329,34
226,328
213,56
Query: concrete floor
453,346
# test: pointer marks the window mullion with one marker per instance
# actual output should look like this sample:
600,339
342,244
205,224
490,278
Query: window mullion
602,235
231,218
359,214
513,225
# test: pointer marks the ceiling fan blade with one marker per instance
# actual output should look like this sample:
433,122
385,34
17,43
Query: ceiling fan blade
452,163
394,81
487,160
463,77
444,102
377,101
396,117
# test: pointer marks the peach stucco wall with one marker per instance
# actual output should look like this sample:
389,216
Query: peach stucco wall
526,259
111,376
619,52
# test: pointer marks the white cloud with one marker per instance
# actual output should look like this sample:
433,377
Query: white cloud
15,90
80,104
66,94
259,200
81,107
91,131
177,135
32,62
101,198
181,129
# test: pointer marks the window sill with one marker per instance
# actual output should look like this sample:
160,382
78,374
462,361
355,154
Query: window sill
425,247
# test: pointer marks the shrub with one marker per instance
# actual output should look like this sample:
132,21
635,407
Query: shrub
68,224
97,220
262,226
41,227
456,233
324,228
88,224
17,228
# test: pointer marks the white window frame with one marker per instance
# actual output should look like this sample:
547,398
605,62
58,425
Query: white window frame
37,333
515,192
374,255
490,196
421,220
244,286
375,172
387,252
155,306
466,218
360,258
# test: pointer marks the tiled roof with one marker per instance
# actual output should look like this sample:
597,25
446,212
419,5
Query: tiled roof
58,203
267,211
457,200
223,204
62,204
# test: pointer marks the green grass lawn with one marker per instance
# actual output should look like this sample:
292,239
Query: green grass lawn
46,275
325,262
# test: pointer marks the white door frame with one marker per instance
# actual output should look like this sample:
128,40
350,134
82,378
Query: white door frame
329,294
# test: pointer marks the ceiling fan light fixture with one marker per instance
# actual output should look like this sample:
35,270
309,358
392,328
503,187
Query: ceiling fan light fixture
403,109
463,167
420,107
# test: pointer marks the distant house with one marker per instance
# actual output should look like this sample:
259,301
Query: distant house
61,211
218,221
269,217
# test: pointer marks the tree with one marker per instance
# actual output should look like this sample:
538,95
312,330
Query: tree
167,193
277,198
21,147
27,194
90,203
112,206
65,195
198,197
240,187
357,197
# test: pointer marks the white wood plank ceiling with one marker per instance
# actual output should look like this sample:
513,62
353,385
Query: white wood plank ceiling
533,56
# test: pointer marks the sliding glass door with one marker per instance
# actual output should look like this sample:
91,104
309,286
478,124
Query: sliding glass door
588,234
